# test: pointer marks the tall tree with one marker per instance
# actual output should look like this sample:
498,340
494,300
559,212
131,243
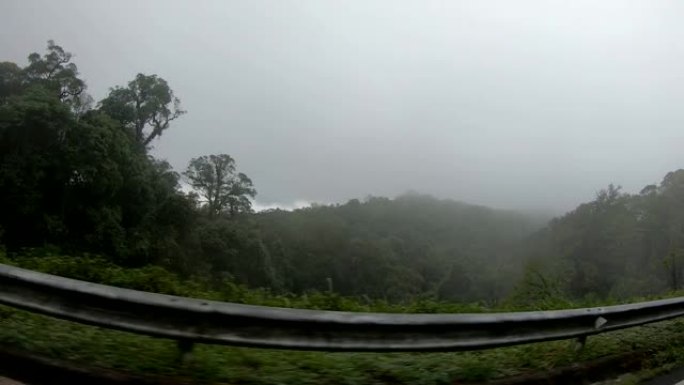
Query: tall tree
57,73
147,106
215,178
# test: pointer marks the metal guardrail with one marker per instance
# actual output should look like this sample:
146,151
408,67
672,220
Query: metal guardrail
194,320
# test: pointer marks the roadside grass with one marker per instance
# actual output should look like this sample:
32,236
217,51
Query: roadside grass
104,348
97,347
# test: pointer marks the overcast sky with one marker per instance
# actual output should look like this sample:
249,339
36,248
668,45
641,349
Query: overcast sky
512,104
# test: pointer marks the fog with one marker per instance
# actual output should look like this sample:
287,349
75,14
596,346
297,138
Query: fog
521,105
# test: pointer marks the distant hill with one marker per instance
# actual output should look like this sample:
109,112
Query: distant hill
398,248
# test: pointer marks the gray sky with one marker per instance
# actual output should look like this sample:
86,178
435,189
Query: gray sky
513,104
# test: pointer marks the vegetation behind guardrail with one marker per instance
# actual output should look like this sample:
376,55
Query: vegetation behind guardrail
196,320
139,354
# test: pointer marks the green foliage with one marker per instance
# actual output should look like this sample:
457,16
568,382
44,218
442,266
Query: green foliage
124,351
618,245
94,268
102,348
223,189
12,80
539,289
32,150
398,249
76,178
146,106
55,72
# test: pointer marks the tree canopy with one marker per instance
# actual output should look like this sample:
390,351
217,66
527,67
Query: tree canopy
146,106
223,189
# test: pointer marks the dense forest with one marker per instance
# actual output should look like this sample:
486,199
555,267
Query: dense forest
77,176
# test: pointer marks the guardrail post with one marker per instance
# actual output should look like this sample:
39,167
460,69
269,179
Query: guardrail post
581,342
184,350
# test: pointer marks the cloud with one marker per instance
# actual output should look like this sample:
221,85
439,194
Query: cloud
257,206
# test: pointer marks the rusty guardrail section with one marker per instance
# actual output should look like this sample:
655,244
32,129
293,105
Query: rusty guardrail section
194,320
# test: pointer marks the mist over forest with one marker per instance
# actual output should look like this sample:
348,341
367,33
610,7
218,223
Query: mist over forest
78,178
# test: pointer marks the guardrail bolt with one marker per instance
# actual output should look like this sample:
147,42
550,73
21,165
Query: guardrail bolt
184,350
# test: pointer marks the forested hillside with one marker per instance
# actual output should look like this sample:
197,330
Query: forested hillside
77,178
398,249
618,245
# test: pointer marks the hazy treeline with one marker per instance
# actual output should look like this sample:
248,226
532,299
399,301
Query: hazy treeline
617,245
398,249
76,174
